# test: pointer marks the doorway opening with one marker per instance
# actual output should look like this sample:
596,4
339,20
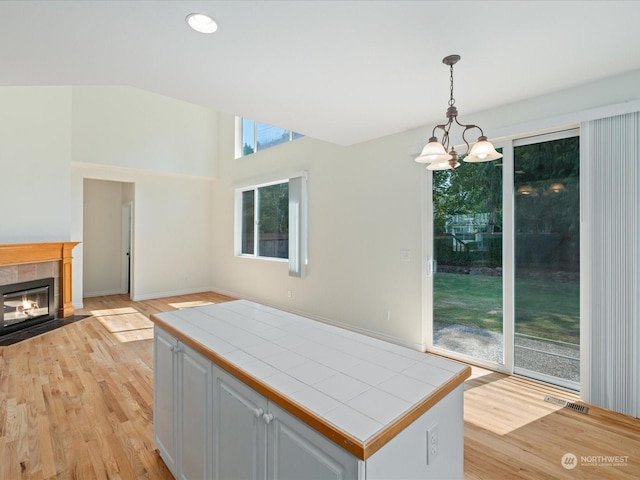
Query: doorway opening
108,247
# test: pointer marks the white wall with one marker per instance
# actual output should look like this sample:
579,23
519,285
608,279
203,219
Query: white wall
168,150
132,128
364,207
35,164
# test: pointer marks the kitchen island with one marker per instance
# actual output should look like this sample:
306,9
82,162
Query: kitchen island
243,390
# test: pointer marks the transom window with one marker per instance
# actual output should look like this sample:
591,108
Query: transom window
255,136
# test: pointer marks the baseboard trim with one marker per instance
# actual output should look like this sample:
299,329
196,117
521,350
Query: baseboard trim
172,293
102,293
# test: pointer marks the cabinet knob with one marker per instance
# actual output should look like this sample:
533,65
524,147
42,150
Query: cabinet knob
258,412
267,418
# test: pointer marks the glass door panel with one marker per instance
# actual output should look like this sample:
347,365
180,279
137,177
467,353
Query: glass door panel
467,279
547,260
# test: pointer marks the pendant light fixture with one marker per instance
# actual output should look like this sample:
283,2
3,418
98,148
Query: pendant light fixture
437,154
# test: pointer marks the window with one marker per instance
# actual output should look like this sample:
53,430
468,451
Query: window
265,221
255,136
271,222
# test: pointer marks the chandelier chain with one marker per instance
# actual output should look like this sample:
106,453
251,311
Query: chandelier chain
452,100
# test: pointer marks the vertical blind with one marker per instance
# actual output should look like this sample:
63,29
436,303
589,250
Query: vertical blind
611,223
298,226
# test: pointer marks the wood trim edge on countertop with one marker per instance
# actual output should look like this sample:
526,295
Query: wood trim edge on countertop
361,450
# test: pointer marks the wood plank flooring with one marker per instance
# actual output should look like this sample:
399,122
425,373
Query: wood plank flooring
511,432
76,403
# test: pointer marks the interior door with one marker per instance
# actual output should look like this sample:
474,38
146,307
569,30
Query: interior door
125,270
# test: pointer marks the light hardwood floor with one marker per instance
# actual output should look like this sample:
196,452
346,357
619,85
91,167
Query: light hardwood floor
77,403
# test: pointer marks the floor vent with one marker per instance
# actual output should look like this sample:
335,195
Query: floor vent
565,403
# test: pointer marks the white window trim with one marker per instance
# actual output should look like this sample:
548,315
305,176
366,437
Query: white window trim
298,222
238,220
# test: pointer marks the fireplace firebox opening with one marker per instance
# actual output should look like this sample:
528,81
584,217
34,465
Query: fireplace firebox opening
26,303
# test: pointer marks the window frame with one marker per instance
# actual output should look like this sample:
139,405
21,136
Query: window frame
239,209
239,134
298,222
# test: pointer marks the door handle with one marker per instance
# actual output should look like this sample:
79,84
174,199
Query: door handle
432,266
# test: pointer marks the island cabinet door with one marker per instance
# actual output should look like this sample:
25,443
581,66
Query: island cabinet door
194,426
165,398
239,438
298,452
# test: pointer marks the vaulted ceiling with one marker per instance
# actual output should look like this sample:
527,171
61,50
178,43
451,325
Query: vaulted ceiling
341,71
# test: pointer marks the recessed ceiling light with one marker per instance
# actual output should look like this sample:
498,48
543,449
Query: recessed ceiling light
202,23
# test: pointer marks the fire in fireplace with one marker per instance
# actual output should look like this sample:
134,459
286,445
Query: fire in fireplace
25,304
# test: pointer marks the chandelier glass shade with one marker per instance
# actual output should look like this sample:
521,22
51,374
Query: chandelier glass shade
438,155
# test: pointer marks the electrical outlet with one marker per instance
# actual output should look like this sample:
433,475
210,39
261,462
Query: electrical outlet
432,443
289,294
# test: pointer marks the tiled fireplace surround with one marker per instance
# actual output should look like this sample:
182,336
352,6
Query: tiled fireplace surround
33,271
33,261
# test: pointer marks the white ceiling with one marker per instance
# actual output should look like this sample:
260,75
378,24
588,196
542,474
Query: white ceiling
341,71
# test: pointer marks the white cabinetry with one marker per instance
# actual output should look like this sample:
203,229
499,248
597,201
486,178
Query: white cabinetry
221,410
165,398
296,451
255,439
239,439
181,407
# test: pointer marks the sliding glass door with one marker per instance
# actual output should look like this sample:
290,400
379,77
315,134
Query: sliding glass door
467,271
504,274
547,259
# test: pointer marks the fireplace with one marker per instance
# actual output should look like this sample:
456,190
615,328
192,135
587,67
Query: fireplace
26,303
22,262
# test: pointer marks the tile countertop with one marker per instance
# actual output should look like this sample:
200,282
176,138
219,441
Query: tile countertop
357,390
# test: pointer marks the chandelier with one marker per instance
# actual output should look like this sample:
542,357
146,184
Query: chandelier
437,154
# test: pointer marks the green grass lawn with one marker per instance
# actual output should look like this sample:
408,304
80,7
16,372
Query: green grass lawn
544,308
